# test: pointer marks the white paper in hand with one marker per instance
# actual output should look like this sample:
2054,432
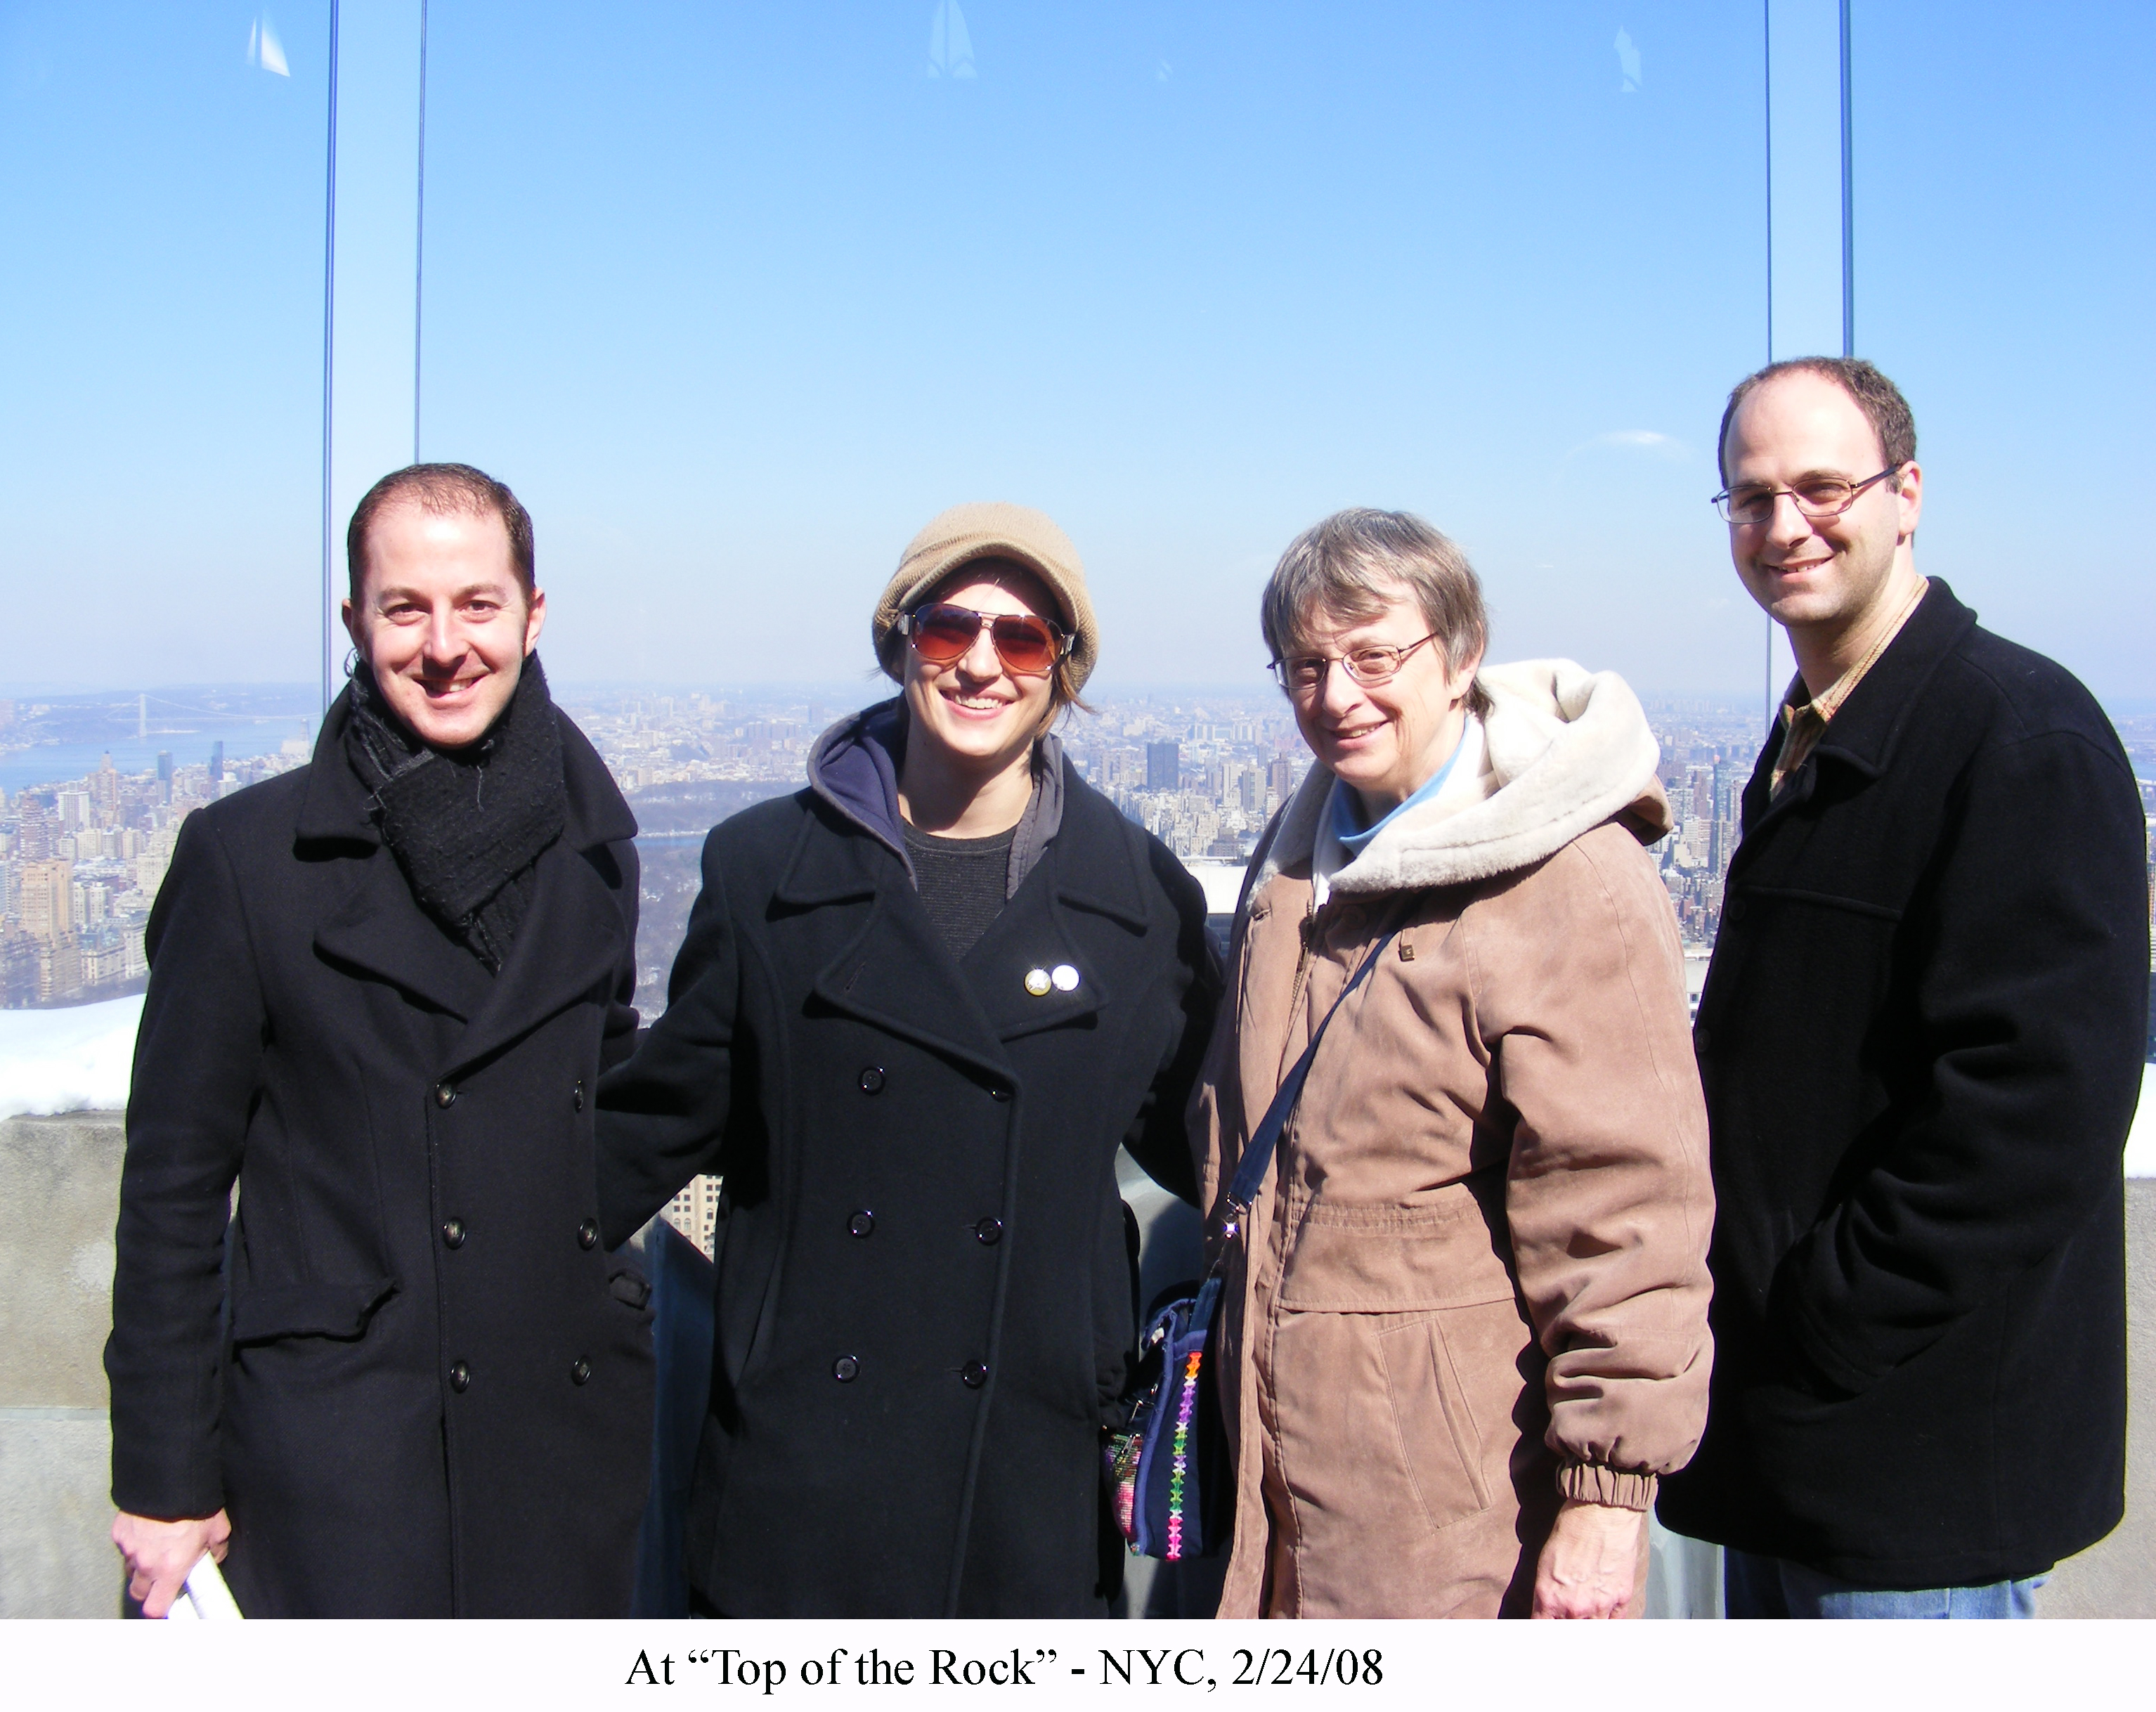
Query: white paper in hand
206,1598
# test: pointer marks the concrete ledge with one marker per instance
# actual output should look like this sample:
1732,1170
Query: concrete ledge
56,1555
59,1181
2117,1577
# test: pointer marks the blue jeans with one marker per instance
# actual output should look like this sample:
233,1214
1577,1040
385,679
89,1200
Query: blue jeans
1774,1586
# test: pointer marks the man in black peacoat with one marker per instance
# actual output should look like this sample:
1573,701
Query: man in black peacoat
1920,1040
431,1394
925,1293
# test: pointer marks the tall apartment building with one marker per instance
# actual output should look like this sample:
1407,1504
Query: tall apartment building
1164,766
694,1213
48,900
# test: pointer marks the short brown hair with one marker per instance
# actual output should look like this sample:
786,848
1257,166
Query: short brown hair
445,489
1877,397
1349,565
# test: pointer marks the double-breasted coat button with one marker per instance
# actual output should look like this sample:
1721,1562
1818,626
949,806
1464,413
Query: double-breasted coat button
872,1079
975,1374
452,1234
862,1224
580,1371
445,1095
989,1232
1701,1039
459,1376
577,1094
845,1368
587,1234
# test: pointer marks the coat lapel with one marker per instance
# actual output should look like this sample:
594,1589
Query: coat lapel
895,974
379,931
1864,734
1038,930
899,977
569,946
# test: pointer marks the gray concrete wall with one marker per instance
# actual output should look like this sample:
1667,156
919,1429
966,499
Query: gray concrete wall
59,1186
2117,1577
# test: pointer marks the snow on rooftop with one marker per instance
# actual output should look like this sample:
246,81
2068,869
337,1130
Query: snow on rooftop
74,1060
80,1059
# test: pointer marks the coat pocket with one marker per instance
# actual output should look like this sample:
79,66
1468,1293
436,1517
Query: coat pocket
1439,1438
339,1311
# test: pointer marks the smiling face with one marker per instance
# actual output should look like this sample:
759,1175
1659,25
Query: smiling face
1384,740
1823,575
985,716
443,619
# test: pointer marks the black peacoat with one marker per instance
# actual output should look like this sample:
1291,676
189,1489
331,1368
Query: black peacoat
925,1295
420,1386
1920,1043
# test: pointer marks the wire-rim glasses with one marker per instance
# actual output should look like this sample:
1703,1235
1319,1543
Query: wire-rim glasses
1818,497
1303,675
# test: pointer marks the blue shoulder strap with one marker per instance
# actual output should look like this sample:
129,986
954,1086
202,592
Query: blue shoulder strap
1258,1157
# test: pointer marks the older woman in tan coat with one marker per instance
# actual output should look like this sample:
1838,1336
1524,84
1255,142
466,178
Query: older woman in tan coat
1466,1321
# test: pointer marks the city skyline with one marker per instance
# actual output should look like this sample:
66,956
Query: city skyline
81,855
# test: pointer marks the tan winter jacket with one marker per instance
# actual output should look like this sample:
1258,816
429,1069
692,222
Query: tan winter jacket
1476,1280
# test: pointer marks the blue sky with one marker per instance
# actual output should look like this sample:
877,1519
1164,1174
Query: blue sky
737,296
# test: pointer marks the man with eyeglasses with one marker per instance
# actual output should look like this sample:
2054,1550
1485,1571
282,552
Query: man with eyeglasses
1921,1042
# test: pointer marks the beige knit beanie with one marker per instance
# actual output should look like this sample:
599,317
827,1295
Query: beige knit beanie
991,529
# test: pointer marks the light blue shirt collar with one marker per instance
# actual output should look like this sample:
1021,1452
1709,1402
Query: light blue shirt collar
1346,805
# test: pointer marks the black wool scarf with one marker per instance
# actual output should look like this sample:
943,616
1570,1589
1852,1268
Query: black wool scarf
466,825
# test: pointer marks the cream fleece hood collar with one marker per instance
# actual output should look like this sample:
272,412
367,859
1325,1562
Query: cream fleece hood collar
1567,749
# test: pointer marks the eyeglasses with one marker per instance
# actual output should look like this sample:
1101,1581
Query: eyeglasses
1304,674
941,635
1821,496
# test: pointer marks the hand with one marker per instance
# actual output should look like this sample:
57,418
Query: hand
159,1555
1590,1561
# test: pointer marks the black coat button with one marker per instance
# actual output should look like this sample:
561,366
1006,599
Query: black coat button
445,1095
1701,1039
1736,909
587,1234
459,1376
999,1093
580,1371
577,1094
845,1368
975,1374
872,1081
989,1232
452,1234
862,1224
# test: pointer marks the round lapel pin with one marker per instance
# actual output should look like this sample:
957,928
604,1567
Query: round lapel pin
1065,978
1038,982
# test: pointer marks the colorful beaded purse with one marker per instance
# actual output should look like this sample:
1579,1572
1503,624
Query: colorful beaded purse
1169,1469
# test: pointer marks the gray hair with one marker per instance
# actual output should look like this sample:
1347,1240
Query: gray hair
1353,566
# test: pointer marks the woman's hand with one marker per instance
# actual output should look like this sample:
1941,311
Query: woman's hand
1590,1561
161,1555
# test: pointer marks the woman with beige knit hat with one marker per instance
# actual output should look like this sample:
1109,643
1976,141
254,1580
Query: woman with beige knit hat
920,1004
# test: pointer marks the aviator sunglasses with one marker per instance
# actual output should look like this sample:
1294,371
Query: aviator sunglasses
943,634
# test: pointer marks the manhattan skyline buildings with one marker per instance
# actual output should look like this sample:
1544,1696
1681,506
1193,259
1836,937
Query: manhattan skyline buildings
82,853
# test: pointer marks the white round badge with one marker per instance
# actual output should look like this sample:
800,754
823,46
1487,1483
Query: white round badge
1065,978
